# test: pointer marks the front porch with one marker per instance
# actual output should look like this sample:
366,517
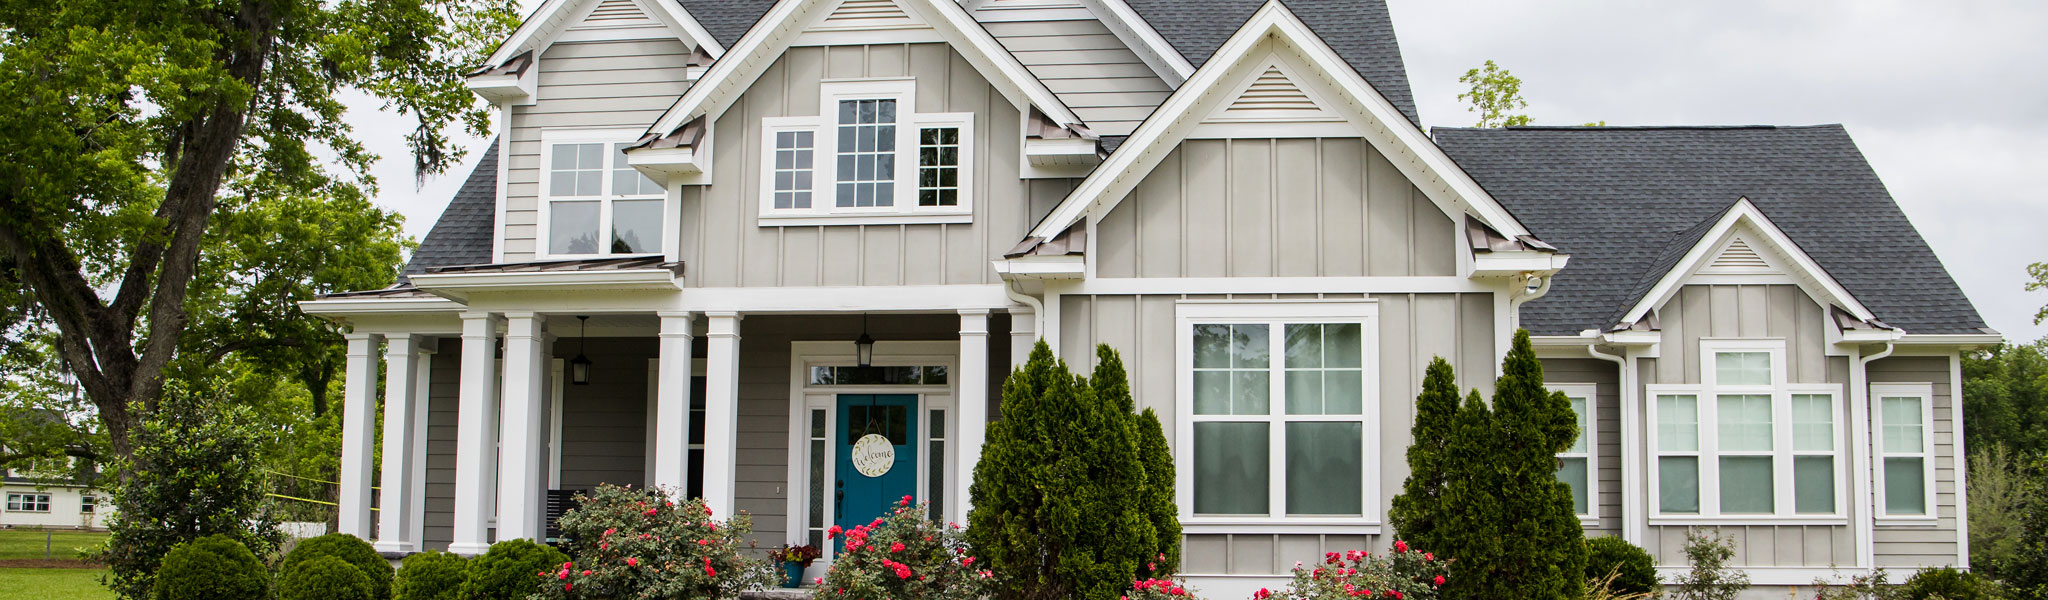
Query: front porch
757,413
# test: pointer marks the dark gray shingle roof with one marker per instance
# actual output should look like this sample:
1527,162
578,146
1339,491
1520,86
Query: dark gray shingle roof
1361,31
1618,199
463,234
727,20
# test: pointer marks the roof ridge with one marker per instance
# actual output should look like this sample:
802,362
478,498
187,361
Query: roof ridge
1640,127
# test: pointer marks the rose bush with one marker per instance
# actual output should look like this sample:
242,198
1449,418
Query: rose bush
1405,574
1157,589
905,557
627,543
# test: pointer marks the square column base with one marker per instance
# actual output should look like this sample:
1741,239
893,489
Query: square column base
469,549
384,547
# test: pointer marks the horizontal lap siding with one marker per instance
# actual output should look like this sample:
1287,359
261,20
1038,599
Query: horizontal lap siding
1090,70
1912,546
1606,380
1331,207
1413,328
583,85
1752,311
725,245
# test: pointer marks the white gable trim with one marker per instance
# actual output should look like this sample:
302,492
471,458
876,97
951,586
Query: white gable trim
1405,145
555,17
1744,221
778,30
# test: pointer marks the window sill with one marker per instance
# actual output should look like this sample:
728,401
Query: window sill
1761,520
1279,526
1906,521
817,220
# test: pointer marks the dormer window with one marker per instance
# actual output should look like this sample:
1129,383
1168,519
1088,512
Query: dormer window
869,157
593,204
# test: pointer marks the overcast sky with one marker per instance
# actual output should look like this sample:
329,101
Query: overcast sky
1949,100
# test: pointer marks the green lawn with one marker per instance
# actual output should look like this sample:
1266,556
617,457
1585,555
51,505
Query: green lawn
49,584
28,543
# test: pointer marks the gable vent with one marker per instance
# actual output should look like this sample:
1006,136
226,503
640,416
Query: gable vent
1273,91
854,12
1739,255
615,10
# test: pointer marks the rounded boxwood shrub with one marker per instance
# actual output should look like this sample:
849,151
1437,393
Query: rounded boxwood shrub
510,571
324,578
1945,583
1635,572
215,567
430,575
350,549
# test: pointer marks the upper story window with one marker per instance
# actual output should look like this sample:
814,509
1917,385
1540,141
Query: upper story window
868,157
593,203
1746,444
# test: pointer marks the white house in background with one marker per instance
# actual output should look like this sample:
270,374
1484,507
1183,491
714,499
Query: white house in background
38,502
696,212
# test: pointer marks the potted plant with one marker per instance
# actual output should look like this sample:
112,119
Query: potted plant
795,558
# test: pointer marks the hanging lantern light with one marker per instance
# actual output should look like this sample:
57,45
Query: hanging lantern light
579,367
864,347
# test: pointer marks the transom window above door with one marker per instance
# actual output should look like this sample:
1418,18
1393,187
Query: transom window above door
868,157
593,203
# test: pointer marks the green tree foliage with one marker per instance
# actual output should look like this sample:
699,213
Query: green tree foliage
509,571
1634,571
1946,583
1495,94
2039,271
351,550
1485,492
2005,398
2026,572
193,479
135,124
324,578
1112,387
630,543
1996,506
430,575
1056,509
214,567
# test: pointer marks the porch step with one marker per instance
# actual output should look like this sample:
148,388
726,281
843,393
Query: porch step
802,593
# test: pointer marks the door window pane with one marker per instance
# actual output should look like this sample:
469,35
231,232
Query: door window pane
1678,423
1813,423
1905,486
1573,472
1325,468
1678,484
1742,368
1746,485
572,227
1745,423
1231,468
636,226
1813,484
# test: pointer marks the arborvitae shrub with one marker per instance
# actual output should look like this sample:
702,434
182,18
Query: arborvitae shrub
350,549
214,567
430,575
1113,388
324,577
1058,509
510,571
1635,571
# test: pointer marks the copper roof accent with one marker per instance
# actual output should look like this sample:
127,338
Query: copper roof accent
1042,127
1072,241
1847,322
400,290
1484,239
560,266
699,58
515,66
687,136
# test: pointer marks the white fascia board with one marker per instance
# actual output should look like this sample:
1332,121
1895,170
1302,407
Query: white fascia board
1871,336
779,29
1071,152
1966,340
1512,263
662,162
1633,338
554,16
1142,39
1070,266
516,89
352,306
857,299
1745,212
1436,174
457,284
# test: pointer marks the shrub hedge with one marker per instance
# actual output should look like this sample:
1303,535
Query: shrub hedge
214,567
351,550
430,575
1635,571
507,571
325,577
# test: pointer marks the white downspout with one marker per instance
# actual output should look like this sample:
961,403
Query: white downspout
1037,307
1631,450
1866,513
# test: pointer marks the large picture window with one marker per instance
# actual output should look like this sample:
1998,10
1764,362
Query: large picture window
1279,412
1904,415
29,502
593,203
868,157
1746,444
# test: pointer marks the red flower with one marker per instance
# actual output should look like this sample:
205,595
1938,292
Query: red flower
1400,546
632,562
568,586
708,571
1262,594
896,547
904,502
651,511
1428,556
829,533
1439,580
586,572
703,542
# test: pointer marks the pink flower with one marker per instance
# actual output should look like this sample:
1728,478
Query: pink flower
632,562
1151,566
819,581
969,561
562,575
611,531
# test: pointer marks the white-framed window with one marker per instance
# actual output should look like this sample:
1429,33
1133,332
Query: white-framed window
594,204
88,503
1579,465
868,157
1746,444
1278,410
1904,420
28,502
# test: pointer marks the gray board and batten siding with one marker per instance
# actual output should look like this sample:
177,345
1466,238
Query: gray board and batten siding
1412,329
584,85
726,245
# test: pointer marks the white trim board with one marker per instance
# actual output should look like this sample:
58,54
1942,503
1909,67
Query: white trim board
555,17
1744,221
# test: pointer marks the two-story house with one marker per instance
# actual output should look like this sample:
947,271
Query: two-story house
730,246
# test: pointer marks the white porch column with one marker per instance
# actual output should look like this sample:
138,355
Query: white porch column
973,418
476,433
672,404
358,433
721,412
1023,335
521,439
395,499
416,464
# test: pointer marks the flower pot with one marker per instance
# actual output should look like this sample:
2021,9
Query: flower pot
792,574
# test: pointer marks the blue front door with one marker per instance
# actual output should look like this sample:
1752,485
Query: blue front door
877,456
